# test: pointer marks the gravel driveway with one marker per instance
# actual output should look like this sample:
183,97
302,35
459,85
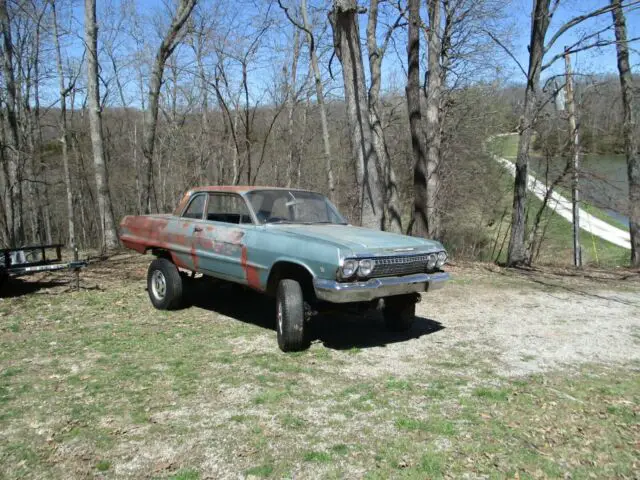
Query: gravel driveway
520,325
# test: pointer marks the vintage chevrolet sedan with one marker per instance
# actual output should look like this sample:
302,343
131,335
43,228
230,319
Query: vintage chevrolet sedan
291,244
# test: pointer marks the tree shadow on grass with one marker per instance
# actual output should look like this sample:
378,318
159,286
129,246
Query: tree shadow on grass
338,331
568,280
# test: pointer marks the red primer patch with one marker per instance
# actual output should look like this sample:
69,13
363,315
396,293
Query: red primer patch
253,276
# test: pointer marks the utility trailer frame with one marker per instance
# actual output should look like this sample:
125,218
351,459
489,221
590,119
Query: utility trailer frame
17,262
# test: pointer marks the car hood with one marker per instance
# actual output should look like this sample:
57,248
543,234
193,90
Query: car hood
360,240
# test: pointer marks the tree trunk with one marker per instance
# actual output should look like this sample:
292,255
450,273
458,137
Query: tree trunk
248,121
168,45
291,104
629,123
517,254
346,34
419,223
42,193
14,207
109,234
326,141
64,137
392,215
433,128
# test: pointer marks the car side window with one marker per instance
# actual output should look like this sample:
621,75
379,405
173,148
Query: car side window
196,207
228,208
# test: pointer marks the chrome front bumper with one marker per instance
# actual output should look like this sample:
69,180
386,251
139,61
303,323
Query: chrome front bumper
343,292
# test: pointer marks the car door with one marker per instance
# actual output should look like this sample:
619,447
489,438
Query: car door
221,243
185,230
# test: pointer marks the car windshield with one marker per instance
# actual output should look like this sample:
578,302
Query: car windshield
293,206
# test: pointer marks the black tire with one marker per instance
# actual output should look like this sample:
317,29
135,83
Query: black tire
164,285
290,317
399,312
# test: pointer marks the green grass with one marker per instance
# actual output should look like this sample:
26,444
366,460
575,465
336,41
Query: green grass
504,146
315,456
187,474
99,383
492,394
103,465
260,471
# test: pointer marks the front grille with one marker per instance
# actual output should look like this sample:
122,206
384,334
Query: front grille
397,266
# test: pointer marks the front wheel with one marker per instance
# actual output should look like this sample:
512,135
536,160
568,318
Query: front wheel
399,312
164,284
290,317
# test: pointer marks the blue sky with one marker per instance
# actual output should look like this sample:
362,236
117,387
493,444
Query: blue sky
597,60
274,53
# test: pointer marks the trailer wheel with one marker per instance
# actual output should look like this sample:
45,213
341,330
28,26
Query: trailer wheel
164,284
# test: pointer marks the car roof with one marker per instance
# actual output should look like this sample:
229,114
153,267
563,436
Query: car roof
241,188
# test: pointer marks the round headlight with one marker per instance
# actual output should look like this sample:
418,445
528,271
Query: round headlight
349,268
442,259
365,267
431,261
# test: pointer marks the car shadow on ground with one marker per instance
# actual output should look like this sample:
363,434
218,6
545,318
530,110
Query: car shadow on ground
338,331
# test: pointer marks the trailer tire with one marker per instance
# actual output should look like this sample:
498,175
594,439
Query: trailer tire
164,285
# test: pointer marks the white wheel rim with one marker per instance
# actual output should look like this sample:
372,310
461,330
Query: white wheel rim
279,315
158,285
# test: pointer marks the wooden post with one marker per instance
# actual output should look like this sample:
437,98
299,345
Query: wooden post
575,142
77,270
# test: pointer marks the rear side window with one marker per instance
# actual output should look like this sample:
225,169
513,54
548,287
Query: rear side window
227,208
196,207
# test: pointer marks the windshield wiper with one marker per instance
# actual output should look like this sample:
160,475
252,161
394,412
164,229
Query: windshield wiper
328,222
279,221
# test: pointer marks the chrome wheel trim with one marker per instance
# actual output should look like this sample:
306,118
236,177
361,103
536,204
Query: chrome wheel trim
158,285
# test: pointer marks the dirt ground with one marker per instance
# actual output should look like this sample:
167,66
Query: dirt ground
98,384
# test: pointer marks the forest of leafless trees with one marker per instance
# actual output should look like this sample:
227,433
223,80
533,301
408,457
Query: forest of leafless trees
117,107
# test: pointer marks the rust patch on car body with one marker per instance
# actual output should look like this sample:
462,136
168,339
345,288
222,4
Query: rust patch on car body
251,272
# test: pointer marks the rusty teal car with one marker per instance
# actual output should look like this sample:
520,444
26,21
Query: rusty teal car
291,244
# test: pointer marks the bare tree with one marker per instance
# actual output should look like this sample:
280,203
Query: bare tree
346,34
291,104
167,46
64,133
392,215
13,207
433,129
107,223
628,125
540,20
420,223
313,58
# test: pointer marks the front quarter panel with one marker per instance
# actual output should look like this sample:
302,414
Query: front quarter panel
319,258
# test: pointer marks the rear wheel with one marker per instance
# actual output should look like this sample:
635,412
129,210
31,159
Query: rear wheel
164,284
399,312
290,317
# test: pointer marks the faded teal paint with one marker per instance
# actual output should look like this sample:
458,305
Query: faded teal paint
358,240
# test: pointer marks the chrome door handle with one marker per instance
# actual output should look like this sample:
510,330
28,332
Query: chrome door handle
197,229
